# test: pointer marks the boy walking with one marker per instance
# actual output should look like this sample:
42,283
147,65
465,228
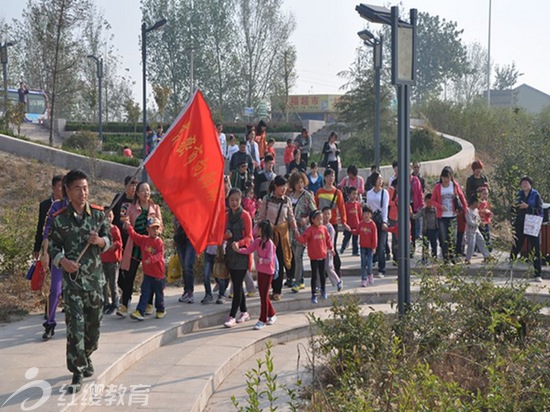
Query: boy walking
430,228
152,249
354,215
368,240
473,235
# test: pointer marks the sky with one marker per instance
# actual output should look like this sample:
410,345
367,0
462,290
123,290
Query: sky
326,35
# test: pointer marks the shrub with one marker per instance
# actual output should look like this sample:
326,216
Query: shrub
85,141
465,344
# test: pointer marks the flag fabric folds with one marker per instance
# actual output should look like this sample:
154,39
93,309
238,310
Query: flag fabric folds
187,169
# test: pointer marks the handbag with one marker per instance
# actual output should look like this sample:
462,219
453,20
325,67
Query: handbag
174,269
37,277
220,269
459,207
532,225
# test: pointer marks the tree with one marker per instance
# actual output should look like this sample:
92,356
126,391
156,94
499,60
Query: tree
264,33
282,89
49,34
441,55
473,81
506,77
161,94
132,111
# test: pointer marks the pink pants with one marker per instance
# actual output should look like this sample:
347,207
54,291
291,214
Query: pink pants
264,284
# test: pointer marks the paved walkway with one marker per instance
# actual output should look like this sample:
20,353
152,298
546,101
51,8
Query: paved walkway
130,350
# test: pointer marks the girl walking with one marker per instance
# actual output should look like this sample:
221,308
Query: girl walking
265,265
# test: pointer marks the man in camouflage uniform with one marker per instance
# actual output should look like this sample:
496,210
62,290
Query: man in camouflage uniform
72,228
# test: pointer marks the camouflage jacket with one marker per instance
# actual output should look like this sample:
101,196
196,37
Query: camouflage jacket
68,237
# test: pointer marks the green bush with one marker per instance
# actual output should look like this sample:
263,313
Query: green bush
464,345
84,141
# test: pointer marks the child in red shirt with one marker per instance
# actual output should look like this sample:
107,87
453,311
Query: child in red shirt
152,250
318,243
354,215
250,204
271,149
289,153
110,260
368,240
485,214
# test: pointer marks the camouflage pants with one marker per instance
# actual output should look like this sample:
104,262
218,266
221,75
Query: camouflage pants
83,313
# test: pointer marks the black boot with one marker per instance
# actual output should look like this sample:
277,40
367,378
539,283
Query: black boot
76,383
89,371
48,332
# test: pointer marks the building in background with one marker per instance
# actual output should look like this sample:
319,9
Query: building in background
522,97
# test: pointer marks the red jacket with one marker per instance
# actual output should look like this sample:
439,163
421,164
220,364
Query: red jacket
152,250
289,154
114,253
354,214
436,198
368,235
317,240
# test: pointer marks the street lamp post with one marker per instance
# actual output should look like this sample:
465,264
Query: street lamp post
144,31
4,60
99,64
376,44
403,76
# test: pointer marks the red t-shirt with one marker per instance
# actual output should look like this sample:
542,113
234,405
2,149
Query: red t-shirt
354,214
317,240
368,236
152,253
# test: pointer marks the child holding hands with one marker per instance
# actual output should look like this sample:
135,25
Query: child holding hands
318,242
152,249
265,265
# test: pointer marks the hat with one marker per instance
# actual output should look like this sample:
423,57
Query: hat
152,222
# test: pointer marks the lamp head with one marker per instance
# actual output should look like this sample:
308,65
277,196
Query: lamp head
374,14
365,35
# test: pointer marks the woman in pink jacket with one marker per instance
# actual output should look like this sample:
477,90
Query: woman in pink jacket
265,265
448,200
139,212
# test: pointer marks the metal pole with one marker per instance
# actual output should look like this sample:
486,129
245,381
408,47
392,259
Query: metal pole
489,60
100,77
377,66
143,58
191,74
4,59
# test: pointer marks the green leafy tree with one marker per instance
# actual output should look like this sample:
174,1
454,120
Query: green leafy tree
441,55
506,77
132,111
161,94
282,89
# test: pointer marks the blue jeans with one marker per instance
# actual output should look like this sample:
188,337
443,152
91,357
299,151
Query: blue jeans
366,262
354,242
208,266
447,237
429,239
150,286
187,256
381,249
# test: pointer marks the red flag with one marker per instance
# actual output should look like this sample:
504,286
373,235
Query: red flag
187,169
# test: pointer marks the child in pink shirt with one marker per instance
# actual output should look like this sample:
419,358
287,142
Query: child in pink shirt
318,243
265,265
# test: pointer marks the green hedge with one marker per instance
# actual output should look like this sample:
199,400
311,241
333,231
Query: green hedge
124,127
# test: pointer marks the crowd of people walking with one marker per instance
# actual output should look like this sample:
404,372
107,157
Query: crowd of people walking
270,216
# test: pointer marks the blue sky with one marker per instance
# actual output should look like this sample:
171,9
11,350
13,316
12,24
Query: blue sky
326,37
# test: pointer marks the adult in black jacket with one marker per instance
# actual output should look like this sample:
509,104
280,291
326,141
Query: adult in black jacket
240,157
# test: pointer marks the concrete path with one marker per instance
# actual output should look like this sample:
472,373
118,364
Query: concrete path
32,368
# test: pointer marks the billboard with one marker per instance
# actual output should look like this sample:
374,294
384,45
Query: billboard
313,103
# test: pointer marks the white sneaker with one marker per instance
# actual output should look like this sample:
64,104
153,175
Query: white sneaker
272,320
538,279
259,325
243,318
230,322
